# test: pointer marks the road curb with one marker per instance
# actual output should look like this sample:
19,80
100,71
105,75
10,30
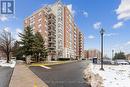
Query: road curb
11,76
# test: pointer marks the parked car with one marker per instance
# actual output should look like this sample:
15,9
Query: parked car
112,62
107,61
129,61
121,62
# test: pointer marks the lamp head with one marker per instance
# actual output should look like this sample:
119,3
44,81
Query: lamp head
102,31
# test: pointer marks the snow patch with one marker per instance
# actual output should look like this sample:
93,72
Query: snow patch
10,64
113,76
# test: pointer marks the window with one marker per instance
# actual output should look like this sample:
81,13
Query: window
39,30
39,20
25,21
39,26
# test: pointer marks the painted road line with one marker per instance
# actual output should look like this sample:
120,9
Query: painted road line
45,67
35,84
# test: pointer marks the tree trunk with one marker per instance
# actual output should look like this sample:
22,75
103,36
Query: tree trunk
37,59
7,57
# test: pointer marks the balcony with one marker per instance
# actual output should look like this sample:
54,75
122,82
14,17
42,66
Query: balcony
51,35
51,16
52,47
52,41
51,24
52,52
52,31
51,19
51,27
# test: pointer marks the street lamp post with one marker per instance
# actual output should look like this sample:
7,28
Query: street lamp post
112,54
102,33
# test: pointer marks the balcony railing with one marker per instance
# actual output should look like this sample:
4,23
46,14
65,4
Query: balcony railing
51,27
52,41
52,47
51,24
51,36
52,31
51,19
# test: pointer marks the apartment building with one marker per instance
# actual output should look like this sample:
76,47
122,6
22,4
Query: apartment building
92,53
81,45
77,43
38,21
128,57
69,34
56,24
2,55
52,36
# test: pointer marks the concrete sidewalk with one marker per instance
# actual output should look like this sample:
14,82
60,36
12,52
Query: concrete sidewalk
24,77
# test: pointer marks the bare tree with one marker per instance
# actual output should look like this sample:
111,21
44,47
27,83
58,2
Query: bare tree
6,43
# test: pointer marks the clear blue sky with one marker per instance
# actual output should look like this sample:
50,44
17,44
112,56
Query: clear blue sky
90,15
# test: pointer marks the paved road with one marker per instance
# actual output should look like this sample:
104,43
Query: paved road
65,75
5,75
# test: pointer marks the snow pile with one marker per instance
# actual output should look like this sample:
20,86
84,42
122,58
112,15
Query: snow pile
10,64
113,76
94,79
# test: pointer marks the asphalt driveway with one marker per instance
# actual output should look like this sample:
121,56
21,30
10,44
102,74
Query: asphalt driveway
65,75
5,75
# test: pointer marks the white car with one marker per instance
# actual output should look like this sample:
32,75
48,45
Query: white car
121,62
